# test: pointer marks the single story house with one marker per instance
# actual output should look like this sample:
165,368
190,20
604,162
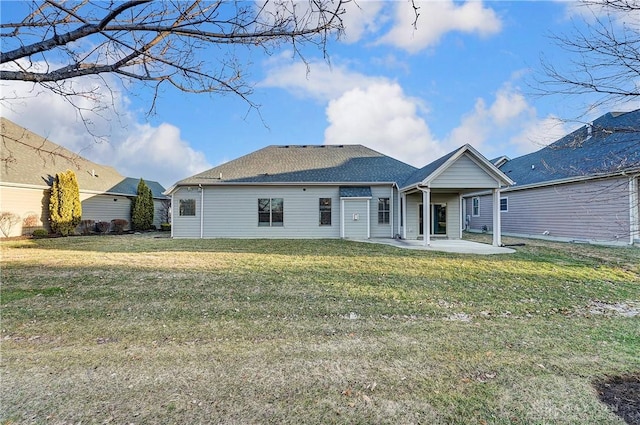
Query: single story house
332,191
29,165
583,187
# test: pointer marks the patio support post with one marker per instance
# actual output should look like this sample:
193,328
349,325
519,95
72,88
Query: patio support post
403,201
171,212
634,209
426,217
201,211
497,237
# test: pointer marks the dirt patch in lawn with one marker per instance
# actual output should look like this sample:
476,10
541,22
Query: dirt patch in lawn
622,395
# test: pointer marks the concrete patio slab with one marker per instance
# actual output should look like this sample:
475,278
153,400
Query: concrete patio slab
446,245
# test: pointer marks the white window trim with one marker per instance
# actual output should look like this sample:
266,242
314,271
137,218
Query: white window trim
506,198
473,210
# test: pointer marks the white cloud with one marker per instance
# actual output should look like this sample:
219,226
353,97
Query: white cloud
107,132
509,125
159,151
361,109
376,112
435,20
320,81
362,17
382,117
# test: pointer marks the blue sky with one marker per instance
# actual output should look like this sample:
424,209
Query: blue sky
466,75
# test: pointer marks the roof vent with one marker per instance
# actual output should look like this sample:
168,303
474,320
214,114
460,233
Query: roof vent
533,167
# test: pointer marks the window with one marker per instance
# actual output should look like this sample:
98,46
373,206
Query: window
383,210
475,206
325,211
187,207
504,204
401,212
270,212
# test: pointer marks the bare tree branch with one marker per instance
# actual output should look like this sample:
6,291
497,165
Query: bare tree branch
604,53
177,42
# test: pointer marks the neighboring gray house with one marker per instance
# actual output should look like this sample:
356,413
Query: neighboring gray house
584,187
29,165
331,191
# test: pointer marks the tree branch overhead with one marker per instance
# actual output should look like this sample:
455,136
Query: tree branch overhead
150,42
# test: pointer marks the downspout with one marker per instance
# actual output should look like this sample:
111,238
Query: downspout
201,211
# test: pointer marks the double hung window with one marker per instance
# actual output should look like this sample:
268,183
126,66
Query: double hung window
383,210
325,211
271,212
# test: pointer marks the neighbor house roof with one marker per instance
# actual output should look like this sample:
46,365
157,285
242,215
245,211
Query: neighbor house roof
610,145
31,160
306,164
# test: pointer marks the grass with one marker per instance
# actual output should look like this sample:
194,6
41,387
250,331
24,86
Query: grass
128,329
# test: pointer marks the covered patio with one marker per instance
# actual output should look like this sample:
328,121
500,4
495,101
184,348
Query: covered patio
445,245
431,200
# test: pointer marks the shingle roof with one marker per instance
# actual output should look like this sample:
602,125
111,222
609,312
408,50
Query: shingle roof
613,146
355,191
29,159
306,164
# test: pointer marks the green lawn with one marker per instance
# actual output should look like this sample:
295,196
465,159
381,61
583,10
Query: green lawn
132,329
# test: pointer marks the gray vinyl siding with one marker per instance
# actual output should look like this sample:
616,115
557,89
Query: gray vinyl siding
452,202
464,173
412,215
105,207
383,230
232,212
185,226
486,213
25,202
356,229
593,210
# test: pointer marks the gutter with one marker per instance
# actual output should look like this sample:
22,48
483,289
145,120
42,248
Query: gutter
567,180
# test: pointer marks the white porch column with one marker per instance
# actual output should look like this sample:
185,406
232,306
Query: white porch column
461,220
497,230
171,216
201,211
403,200
634,209
426,217
342,218
369,219
391,209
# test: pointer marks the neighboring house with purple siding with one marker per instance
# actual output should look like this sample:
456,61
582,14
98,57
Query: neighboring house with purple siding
583,187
